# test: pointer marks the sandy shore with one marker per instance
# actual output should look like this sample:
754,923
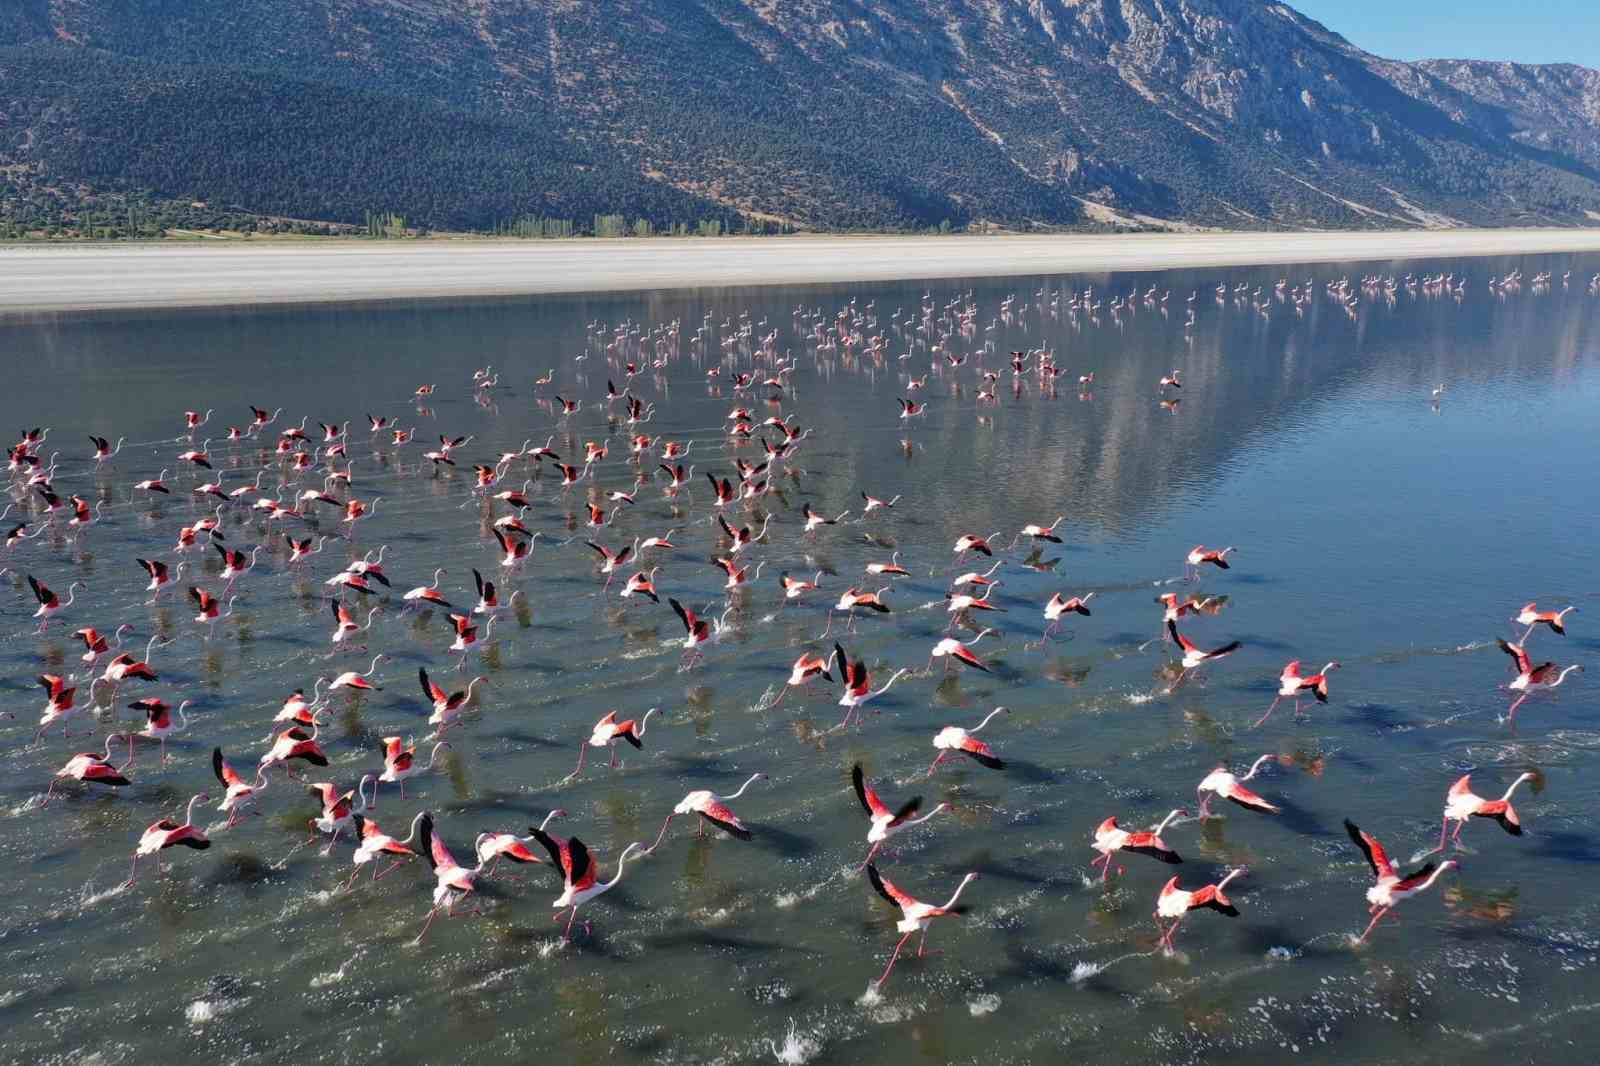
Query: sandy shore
37,278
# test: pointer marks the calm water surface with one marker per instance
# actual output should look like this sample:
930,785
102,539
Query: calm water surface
1372,527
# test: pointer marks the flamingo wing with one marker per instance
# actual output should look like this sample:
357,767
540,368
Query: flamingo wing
869,799
1245,798
434,693
579,865
684,614
1410,882
980,751
724,819
1377,858
1513,650
225,773
887,889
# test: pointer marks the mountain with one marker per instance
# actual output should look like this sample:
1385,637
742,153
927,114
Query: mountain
836,114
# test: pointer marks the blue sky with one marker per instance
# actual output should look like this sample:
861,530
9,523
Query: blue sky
1527,31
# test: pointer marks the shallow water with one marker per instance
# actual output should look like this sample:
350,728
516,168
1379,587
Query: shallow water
1372,527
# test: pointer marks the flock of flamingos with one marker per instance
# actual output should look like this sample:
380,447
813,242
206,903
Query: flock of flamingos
296,494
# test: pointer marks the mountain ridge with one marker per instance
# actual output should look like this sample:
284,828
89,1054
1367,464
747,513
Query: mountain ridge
813,114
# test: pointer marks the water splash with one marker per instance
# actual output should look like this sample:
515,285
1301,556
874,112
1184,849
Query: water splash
797,1049
987,1003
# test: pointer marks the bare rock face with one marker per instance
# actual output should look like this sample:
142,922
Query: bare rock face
817,113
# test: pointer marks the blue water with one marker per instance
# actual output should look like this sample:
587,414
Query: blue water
1372,526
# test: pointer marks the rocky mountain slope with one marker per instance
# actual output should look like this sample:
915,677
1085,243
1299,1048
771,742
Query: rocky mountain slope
811,113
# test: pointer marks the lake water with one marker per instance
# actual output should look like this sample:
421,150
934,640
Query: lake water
1372,526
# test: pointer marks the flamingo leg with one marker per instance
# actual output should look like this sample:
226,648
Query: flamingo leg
1512,713
1270,709
936,763
133,874
661,835
391,869
1376,918
892,958
433,912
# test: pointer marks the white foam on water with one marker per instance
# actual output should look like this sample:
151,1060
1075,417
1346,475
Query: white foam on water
786,900
88,897
987,1003
797,1048
32,803
1139,699
1082,971
1282,953
202,1011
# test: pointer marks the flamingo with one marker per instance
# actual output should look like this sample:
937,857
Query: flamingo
1533,618
1038,532
492,847
445,704
94,768
852,598
1200,556
914,914
95,643
337,807
1194,657
428,595
974,577
400,763
1109,839
953,738
607,731
858,690
345,625
1176,903
806,668
952,650
123,665
155,484
892,567
354,680
873,503
374,842
452,881
1531,678
697,628
49,602
167,834
1391,888
885,823
237,791
794,588
711,808
59,703
578,871
295,743
1223,783
1462,804
158,721
1291,684
1059,606
968,542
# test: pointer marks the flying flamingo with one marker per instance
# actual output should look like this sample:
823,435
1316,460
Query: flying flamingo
806,668
59,704
352,679
123,666
711,808
95,642
166,834
1109,839
873,503
1200,556
452,881
607,731
967,542
697,628
1176,903
492,847
852,598
1291,684
892,567
1223,783
49,602
428,595
373,842
885,823
337,807
346,626
92,767
445,704
952,739
980,579
1059,606
1533,618
1038,532
960,602
159,722
1194,657
238,791
400,763
914,914
858,690
1391,887
952,650
579,874
295,743
1530,678
1461,804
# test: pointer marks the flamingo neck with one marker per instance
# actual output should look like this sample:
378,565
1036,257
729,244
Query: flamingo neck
188,815
886,684
753,779
621,863
1168,820
997,710
417,821
956,895
645,720
1563,675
